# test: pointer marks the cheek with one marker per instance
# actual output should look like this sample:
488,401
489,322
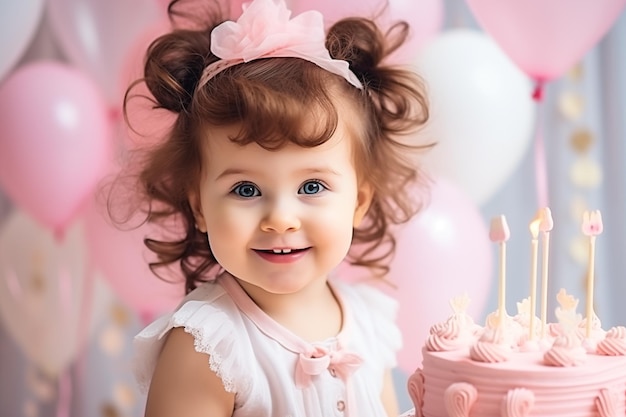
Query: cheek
335,224
229,227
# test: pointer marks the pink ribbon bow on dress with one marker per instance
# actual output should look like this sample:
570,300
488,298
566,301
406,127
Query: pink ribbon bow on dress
338,362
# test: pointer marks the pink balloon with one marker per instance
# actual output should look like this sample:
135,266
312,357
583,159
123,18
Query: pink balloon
146,123
55,141
443,252
96,34
122,259
334,10
546,38
425,18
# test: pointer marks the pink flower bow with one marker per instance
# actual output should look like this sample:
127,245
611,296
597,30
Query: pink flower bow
264,30
339,362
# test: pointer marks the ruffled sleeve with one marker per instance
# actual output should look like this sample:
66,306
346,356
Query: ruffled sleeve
213,323
378,311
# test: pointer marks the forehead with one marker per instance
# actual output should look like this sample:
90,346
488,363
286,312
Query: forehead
220,152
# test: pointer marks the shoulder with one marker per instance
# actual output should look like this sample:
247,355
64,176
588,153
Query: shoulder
182,383
207,324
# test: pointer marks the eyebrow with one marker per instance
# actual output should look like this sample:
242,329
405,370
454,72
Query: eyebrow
310,171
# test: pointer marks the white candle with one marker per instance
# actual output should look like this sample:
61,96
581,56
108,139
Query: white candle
545,227
500,233
592,227
534,231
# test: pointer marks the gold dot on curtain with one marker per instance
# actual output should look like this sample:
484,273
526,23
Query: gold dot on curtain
124,395
571,105
586,173
576,73
579,249
581,140
37,280
119,315
112,341
577,207
109,410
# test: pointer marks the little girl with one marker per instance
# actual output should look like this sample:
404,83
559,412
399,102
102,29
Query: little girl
284,154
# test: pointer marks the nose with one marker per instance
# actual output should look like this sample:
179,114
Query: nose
280,217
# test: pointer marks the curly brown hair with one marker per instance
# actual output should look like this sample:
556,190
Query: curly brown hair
271,99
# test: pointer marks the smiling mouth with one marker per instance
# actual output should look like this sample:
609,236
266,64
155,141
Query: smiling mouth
280,251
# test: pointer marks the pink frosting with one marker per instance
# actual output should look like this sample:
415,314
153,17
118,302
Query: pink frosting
490,352
614,344
606,403
456,332
491,347
566,351
518,403
459,398
416,391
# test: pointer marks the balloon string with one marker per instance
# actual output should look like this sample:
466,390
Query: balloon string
538,91
541,176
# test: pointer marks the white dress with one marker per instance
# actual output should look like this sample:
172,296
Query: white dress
273,372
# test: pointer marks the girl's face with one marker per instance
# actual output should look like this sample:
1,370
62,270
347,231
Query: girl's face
279,220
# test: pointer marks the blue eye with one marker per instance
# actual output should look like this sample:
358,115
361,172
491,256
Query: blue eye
246,190
312,187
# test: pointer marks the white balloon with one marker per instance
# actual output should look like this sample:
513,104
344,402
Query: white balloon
18,23
43,292
482,112
96,36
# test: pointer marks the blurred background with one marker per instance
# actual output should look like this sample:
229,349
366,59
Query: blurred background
528,108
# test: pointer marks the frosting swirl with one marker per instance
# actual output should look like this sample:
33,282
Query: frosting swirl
456,332
490,348
614,344
518,402
489,352
566,351
415,386
459,398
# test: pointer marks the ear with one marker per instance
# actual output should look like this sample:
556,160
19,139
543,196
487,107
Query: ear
364,197
196,208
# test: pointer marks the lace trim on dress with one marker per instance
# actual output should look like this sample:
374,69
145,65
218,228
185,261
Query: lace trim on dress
214,334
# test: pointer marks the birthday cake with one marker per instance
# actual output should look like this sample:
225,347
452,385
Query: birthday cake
522,366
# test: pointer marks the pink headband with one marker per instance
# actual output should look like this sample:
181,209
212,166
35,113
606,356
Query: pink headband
264,30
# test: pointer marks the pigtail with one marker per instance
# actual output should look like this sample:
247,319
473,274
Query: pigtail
395,105
174,62
396,93
174,65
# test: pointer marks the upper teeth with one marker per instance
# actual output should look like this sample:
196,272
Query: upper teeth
281,250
